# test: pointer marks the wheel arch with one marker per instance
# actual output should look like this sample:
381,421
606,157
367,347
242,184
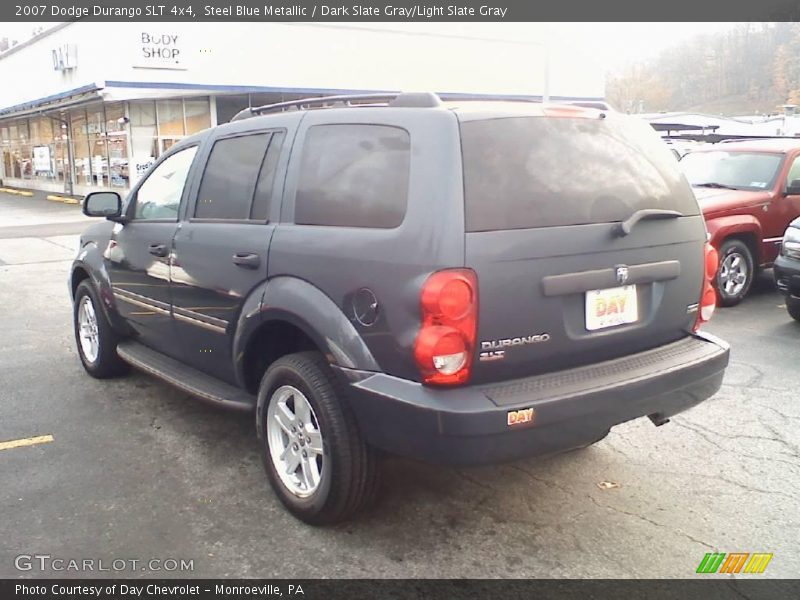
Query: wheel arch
79,273
291,315
743,227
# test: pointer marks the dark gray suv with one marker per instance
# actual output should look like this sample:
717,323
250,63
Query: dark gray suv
467,282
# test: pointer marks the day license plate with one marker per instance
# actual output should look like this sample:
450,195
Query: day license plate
611,307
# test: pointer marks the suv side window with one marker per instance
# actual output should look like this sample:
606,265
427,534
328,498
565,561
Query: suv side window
354,176
159,196
226,190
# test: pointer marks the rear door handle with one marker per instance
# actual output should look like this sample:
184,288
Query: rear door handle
247,260
158,250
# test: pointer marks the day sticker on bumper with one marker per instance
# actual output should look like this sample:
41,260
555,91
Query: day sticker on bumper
520,417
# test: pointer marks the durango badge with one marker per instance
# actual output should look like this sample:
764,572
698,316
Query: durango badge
523,416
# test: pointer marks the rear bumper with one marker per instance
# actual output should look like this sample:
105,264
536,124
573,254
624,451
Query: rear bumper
787,275
469,425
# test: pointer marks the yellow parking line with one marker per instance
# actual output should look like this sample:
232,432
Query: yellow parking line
31,441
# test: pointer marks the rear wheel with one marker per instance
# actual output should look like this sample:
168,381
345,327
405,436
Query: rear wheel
736,272
793,308
314,455
96,340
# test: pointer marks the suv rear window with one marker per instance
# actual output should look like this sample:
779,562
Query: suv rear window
526,172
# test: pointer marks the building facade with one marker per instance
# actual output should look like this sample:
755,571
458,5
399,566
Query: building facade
87,106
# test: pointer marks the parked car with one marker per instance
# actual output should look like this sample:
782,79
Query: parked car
787,269
464,283
749,193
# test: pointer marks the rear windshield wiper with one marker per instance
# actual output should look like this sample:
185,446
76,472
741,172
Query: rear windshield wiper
714,184
624,228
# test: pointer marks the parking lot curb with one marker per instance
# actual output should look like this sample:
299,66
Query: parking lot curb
16,192
64,199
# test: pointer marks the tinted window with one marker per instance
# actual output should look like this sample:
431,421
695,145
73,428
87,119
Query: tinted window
525,172
740,170
266,179
159,196
226,190
353,176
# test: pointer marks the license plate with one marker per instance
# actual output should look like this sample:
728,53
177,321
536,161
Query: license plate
611,307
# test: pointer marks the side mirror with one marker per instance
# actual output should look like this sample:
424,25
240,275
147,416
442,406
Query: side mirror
103,204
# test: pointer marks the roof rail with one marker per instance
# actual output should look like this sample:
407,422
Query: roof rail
400,99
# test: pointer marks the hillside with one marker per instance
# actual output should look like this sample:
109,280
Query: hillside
753,68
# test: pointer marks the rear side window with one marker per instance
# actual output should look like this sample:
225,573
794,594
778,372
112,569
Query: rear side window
526,172
353,176
262,200
237,182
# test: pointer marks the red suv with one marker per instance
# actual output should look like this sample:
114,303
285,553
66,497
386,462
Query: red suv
749,192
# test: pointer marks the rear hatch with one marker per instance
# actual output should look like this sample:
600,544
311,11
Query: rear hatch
559,284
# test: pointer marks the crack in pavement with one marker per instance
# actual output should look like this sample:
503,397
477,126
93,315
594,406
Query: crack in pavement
778,436
651,521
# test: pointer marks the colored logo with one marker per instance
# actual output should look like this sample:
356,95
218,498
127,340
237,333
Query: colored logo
520,417
734,562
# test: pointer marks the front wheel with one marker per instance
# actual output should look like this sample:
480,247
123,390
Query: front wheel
793,308
314,455
96,340
736,272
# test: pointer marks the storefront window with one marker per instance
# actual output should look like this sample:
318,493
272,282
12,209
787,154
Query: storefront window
62,142
98,146
43,147
117,145
228,106
170,119
20,153
5,153
144,140
80,147
198,114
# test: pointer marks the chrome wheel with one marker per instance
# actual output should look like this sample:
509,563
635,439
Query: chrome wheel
87,330
295,441
733,274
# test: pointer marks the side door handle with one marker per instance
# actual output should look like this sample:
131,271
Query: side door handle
158,250
247,260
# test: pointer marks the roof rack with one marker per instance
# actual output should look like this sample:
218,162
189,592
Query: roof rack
400,99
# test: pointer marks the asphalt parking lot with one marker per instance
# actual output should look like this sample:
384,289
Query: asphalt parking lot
138,470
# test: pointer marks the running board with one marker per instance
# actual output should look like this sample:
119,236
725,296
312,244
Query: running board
185,378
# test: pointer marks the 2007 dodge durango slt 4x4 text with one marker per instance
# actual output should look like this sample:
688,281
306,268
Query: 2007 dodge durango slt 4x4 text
467,282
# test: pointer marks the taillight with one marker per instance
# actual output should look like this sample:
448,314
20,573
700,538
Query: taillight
708,298
445,344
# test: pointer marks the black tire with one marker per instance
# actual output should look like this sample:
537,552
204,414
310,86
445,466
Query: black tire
731,295
793,308
349,476
107,363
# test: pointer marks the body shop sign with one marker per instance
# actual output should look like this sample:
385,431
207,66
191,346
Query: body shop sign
159,50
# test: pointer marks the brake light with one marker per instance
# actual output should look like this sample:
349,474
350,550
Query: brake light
445,344
708,298
570,111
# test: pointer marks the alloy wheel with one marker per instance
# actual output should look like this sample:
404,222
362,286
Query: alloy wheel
87,330
733,274
295,441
